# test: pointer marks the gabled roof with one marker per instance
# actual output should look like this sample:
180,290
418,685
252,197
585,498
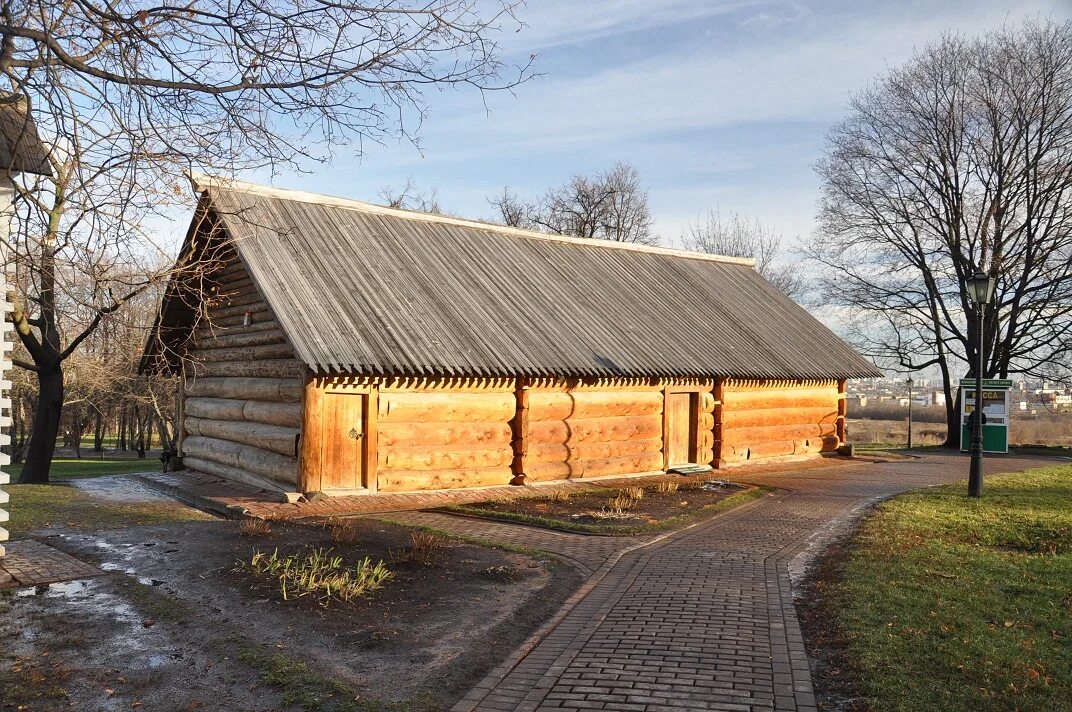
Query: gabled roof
365,289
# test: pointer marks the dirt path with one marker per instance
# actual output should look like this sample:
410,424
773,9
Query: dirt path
173,625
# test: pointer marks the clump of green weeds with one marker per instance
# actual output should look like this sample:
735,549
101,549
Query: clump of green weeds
321,574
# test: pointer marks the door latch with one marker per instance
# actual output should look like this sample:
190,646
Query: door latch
354,434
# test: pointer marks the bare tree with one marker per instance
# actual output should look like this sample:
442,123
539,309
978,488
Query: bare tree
960,160
612,205
737,236
410,197
513,212
134,98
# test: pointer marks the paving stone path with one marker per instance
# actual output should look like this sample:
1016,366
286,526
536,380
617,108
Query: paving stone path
31,563
702,619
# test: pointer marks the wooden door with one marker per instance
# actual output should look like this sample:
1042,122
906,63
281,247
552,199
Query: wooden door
680,429
342,455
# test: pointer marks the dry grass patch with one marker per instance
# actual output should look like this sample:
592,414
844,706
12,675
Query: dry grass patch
666,487
254,528
426,547
344,531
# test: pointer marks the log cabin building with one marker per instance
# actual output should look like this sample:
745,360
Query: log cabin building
329,345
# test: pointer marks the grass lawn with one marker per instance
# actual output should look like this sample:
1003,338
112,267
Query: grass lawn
66,469
59,505
949,603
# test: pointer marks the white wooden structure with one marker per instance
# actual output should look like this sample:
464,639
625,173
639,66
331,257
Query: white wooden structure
21,151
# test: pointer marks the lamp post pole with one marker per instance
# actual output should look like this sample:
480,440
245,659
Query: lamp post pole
909,412
980,289
975,473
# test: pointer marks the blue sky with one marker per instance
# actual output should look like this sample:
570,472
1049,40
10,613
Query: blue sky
718,103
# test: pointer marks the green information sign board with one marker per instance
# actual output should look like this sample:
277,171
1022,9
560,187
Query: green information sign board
995,409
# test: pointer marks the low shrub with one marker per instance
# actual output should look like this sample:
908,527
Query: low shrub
560,496
321,574
666,487
634,493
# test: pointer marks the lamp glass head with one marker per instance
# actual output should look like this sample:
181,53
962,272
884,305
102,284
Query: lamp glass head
981,287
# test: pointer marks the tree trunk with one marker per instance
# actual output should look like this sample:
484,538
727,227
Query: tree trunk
16,429
140,438
76,432
121,443
46,426
98,431
952,422
167,440
18,450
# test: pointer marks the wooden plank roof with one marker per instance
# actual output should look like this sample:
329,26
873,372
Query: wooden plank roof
21,149
365,289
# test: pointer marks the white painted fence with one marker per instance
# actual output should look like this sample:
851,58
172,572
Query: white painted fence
6,344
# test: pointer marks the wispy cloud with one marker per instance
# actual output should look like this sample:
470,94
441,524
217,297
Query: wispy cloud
803,75
554,23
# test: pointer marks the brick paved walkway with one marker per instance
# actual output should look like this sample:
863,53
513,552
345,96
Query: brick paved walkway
702,619
31,563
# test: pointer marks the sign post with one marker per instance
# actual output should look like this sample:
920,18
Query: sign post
996,413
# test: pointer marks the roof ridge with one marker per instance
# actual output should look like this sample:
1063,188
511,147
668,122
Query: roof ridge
202,182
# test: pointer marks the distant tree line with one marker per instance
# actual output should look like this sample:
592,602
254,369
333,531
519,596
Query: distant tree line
107,403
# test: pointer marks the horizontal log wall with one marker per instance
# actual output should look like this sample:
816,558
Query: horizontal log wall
243,408
767,419
444,434
705,446
571,429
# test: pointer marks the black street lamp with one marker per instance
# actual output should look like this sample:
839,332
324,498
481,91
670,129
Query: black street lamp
980,289
909,412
